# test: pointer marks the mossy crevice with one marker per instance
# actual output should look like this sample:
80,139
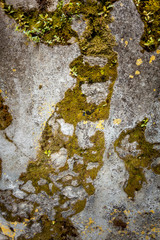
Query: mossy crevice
150,14
135,165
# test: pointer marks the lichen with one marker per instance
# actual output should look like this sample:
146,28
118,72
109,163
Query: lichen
149,12
135,165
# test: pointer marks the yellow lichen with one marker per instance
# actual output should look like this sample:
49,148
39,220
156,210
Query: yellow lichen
6,231
139,62
117,121
152,58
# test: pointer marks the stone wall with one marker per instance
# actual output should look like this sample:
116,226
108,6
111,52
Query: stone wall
79,120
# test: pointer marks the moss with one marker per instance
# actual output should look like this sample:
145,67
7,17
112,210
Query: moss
79,206
5,116
96,41
40,26
136,164
5,121
150,12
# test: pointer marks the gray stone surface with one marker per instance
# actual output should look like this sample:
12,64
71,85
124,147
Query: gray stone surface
29,105
28,187
133,99
27,4
74,192
66,128
95,60
78,25
59,159
128,148
24,67
96,92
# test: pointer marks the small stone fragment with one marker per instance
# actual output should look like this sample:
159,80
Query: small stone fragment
28,187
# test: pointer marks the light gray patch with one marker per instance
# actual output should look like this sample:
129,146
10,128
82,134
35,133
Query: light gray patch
75,159
156,162
19,194
78,25
52,5
96,92
72,40
92,61
74,183
74,192
85,130
59,159
92,165
128,148
66,128
42,182
28,187
25,4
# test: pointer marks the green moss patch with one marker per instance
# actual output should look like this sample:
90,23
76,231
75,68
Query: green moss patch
144,159
40,26
150,15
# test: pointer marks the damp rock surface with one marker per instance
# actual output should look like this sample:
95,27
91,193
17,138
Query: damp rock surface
79,122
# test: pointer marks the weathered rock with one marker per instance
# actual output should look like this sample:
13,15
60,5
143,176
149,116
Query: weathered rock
42,182
128,148
96,92
84,131
92,61
66,128
74,192
3,237
36,78
78,24
28,187
52,5
92,165
59,159
25,4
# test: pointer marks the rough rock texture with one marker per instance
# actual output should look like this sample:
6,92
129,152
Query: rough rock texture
69,180
28,4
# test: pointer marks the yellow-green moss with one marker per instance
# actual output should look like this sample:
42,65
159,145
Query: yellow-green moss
144,159
150,15
40,26
96,41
